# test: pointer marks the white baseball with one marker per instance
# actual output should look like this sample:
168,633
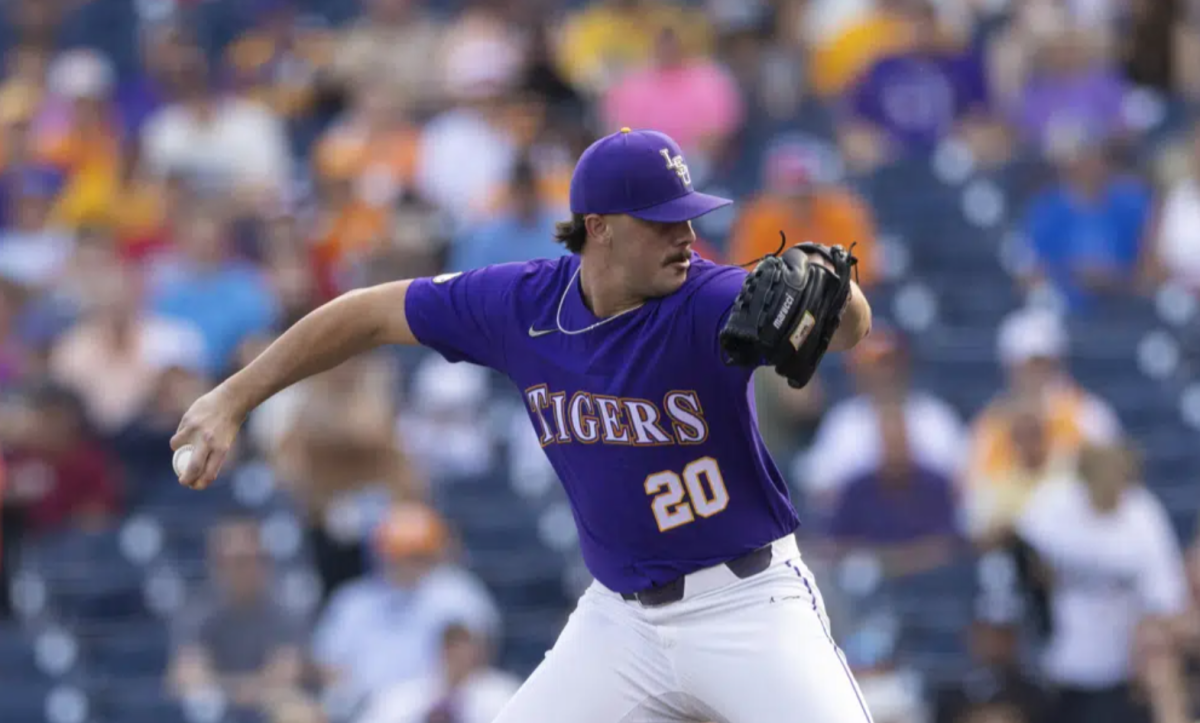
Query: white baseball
183,457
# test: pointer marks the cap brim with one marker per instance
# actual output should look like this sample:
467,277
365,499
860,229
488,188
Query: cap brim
684,208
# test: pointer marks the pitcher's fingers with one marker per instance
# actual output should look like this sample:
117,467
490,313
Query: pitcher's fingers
181,437
212,467
200,452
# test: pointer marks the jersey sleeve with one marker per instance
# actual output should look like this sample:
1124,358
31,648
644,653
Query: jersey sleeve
464,316
711,306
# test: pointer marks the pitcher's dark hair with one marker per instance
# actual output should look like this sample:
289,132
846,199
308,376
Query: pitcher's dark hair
571,234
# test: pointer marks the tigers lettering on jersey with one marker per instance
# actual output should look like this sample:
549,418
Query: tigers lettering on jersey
588,418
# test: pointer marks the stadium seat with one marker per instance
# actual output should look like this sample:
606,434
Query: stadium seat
17,662
87,576
23,700
136,649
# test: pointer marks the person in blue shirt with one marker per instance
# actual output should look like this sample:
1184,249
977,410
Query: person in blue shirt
524,231
702,607
1085,233
227,299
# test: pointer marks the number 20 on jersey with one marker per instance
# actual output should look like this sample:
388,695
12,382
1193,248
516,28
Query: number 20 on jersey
678,498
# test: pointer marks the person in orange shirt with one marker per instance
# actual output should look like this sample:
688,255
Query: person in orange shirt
794,202
374,144
348,227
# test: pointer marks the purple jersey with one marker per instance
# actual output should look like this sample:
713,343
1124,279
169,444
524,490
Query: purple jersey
652,435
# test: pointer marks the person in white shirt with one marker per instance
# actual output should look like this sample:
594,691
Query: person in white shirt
217,141
1110,563
1176,242
385,629
465,690
849,443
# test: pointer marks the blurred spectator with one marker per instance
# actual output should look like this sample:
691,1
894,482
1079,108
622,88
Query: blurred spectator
348,229
143,444
34,21
217,140
997,675
544,78
332,443
1031,345
32,249
465,690
1174,251
474,133
131,205
23,87
373,146
185,286
524,232
237,638
607,39
994,712
294,707
59,474
889,688
796,201
385,629
1159,47
8,547
164,48
483,30
543,137
994,503
901,511
14,356
1086,232
695,100
788,418
933,89
850,440
443,426
279,60
289,269
117,342
79,130
1070,90
845,38
1110,557
398,41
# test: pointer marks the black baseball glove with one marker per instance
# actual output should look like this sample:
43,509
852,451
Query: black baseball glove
788,310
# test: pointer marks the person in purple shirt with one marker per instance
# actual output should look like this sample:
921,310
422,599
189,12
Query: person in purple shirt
902,511
924,94
701,608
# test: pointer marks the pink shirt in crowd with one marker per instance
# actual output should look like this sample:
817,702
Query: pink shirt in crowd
689,103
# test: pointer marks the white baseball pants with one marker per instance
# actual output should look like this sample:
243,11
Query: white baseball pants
756,650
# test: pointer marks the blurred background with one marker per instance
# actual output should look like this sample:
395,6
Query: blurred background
180,180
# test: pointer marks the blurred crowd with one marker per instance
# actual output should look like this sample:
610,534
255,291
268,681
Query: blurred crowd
180,180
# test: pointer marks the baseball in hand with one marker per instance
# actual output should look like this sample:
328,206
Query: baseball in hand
182,458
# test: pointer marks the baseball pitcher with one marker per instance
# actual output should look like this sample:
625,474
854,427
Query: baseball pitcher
635,357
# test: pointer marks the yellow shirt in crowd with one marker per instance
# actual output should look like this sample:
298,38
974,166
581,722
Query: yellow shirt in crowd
602,41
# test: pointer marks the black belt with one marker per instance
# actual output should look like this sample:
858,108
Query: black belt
747,565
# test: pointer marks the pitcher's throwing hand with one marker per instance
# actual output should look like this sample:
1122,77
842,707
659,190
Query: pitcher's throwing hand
210,425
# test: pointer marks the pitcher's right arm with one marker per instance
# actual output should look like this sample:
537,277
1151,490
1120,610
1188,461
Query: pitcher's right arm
461,316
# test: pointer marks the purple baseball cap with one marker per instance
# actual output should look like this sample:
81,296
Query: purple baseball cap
639,173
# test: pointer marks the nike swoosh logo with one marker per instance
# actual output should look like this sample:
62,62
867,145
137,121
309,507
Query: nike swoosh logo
535,333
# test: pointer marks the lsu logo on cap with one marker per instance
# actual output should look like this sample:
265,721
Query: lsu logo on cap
675,163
